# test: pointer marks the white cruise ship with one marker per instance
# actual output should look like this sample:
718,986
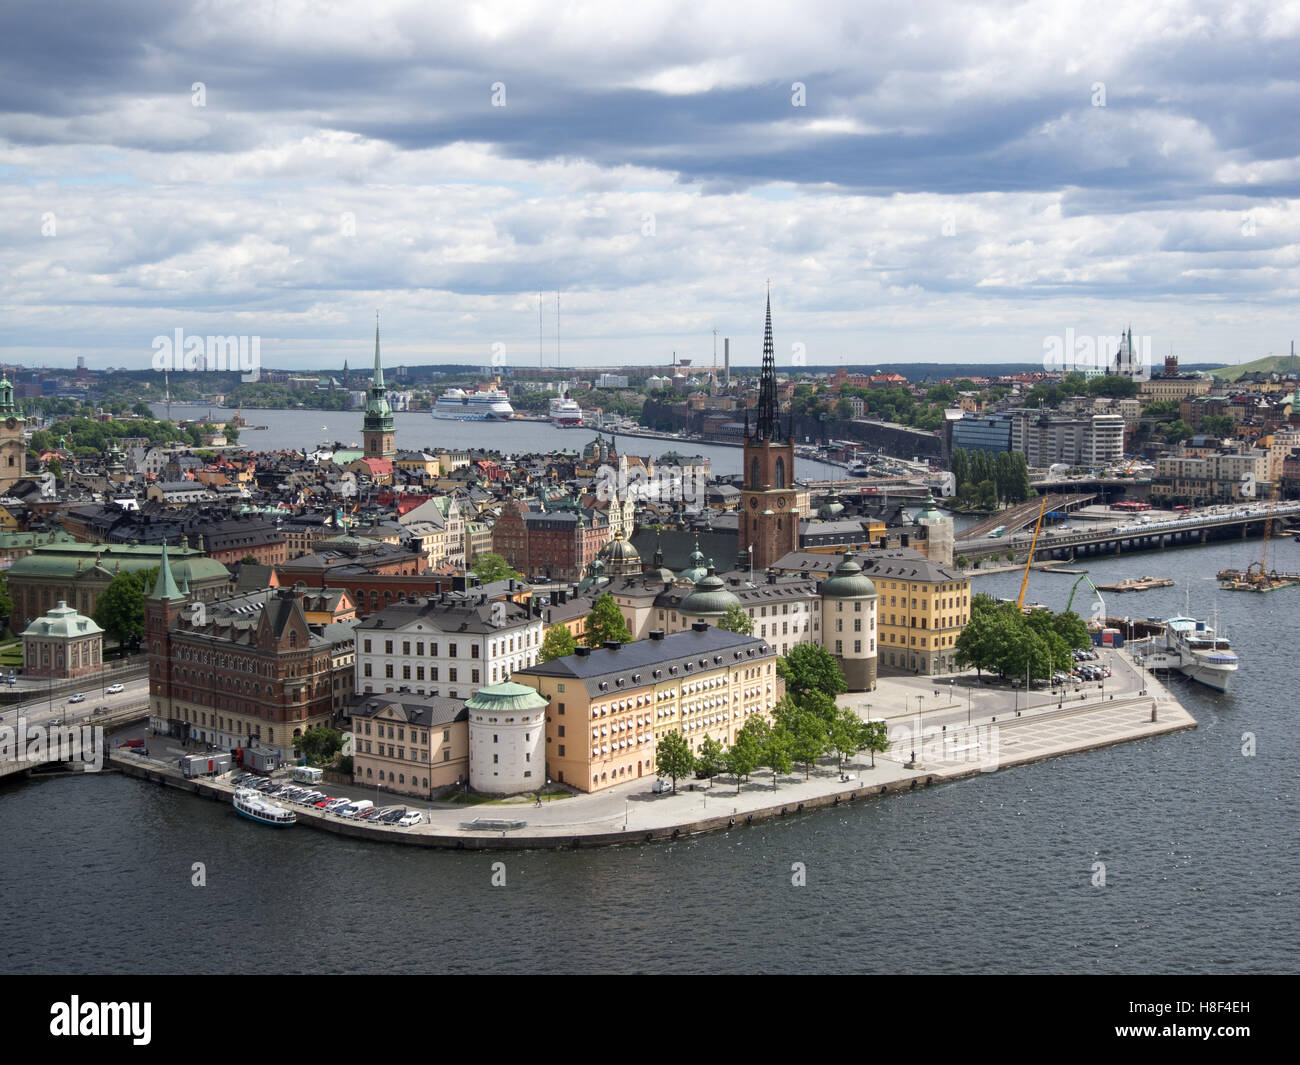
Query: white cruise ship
1192,648
492,405
566,413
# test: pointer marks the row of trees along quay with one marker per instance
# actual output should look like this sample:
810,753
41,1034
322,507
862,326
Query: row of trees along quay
807,724
985,479
1000,639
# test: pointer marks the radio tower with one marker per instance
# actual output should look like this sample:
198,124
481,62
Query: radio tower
541,356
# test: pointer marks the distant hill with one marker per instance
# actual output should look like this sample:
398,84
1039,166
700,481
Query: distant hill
1270,364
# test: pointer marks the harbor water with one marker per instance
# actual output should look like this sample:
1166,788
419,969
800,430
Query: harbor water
1195,840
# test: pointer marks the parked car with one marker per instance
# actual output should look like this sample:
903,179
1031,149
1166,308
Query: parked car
114,689
392,816
413,818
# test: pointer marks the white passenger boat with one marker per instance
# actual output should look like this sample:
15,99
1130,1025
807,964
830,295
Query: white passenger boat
257,807
1192,648
490,405
566,414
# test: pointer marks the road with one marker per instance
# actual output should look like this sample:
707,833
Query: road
39,710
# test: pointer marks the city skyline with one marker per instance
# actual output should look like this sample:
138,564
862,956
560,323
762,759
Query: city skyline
938,185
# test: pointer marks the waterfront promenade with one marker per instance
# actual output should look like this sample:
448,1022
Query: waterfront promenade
959,732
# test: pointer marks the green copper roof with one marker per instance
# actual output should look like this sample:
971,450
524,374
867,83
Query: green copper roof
165,586
505,697
379,415
849,582
929,512
709,597
62,621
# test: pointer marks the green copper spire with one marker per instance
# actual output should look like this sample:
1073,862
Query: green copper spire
379,415
165,586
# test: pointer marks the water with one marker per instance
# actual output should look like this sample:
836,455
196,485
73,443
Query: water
306,429
990,874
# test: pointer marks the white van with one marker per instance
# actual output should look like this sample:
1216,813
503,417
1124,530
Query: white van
354,809
305,774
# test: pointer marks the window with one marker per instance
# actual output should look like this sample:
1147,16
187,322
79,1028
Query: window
561,708
473,651
388,670
451,675
474,676
495,738
433,672
388,647
561,750
366,645
451,650
365,670
561,730
406,647
446,735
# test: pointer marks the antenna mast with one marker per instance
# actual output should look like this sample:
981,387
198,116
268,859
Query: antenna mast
715,358
541,357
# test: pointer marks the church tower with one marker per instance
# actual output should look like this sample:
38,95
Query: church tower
378,436
13,452
769,522
165,604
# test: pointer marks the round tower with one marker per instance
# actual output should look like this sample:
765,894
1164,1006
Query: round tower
849,623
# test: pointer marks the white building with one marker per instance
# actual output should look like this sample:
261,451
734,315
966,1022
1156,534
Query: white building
507,739
449,646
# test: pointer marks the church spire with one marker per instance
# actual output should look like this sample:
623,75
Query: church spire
769,415
379,370
165,586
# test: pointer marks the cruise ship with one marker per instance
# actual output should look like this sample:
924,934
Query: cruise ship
491,405
566,413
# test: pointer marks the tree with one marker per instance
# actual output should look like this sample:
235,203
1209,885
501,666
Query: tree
875,738
605,622
490,567
120,608
141,410
844,410
848,734
737,619
249,560
778,751
745,755
319,744
710,761
55,467
810,667
557,643
673,757
809,735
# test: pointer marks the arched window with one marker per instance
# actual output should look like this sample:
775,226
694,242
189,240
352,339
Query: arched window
753,474
780,473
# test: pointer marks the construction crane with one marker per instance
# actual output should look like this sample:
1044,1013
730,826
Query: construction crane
1084,577
1024,584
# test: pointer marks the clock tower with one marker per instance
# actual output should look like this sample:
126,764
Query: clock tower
13,451
769,522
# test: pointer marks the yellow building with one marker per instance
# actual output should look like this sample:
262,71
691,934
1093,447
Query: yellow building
922,608
610,707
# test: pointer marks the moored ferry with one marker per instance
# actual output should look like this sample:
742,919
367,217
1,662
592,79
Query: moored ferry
257,807
565,413
489,405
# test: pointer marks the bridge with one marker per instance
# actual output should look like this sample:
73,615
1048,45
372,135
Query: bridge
1106,539
1023,514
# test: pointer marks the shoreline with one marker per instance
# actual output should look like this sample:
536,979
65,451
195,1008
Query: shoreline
948,752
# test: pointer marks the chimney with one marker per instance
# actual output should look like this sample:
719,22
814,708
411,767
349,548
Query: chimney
903,539
656,634
611,645
700,626
582,652
726,362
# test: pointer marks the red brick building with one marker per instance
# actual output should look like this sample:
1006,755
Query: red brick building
558,543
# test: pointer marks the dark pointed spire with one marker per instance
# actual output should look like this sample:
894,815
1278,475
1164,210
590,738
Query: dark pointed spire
769,415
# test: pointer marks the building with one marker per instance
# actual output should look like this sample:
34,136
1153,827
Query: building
78,574
923,606
768,526
609,707
1215,477
451,645
62,644
560,543
982,432
507,732
235,679
379,438
1090,440
409,744
13,450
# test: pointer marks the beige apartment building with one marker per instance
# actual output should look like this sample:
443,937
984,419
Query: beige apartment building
409,744
610,706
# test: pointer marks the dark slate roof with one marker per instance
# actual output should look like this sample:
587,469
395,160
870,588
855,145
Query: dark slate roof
606,671
429,711
456,615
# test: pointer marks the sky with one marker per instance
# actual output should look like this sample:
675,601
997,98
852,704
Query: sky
925,182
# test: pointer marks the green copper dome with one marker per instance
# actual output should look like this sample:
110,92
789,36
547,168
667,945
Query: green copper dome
696,571
709,597
507,696
929,512
849,582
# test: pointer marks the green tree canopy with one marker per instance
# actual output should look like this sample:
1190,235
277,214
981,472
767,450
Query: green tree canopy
673,757
605,622
810,667
711,759
745,755
737,619
319,745
120,608
491,567
557,643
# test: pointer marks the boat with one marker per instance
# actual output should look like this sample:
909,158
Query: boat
565,413
1253,579
488,405
257,807
1191,647
1137,584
